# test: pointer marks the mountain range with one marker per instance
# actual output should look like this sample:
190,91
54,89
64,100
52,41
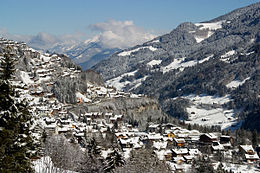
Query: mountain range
204,73
86,53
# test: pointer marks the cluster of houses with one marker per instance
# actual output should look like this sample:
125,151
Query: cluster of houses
173,144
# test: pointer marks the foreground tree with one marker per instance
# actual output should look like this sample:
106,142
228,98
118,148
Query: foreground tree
143,160
16,144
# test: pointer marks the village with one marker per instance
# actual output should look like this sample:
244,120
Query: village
171,143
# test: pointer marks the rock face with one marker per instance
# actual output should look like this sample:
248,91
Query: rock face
216,58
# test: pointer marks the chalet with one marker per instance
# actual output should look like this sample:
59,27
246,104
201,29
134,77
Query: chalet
246,149
208,138
249,154
51,129
194,152
170,134
178,159
226,141
179,142
188,158
153,128
168,126
121,135
178,168
180,152
251,158
216,146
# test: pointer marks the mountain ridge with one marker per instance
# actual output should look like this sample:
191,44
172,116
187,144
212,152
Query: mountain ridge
212,58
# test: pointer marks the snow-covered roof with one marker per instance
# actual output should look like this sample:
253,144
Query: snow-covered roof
160,144
252,156
247,148
180,150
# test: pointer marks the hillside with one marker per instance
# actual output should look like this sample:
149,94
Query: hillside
52,83
195,66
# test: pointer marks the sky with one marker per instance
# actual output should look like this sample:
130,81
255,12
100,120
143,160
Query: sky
74,20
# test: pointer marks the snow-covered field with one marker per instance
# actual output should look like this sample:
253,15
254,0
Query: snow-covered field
154,62
115,82
180,64
226,56
236,83
210,26
207,110
45,165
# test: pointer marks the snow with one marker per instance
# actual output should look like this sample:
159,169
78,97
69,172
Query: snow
236,83
154,62
105,153
155,41
160,144
138,82
229,53
45,164
207,110
226,56
45,58
178,63
200,39
115,82
47,78
238,168
127,53
206,59
207,99
25,77
210,26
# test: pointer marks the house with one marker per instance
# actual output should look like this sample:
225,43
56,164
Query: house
188,158
179,142
180,152
216,146
249,154
246,149
170,134
208,138
178,159
226,141
251,158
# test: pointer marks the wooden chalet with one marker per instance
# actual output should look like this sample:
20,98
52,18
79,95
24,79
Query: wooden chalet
207,138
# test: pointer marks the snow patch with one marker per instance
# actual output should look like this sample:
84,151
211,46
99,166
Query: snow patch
207,110
154,62
210,26
200,39
115,82
127,53
45,58
178,63
236,83
25,77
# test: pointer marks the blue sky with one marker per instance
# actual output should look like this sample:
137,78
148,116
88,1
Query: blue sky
59,17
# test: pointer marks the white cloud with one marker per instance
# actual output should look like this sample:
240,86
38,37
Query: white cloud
112,34
121,34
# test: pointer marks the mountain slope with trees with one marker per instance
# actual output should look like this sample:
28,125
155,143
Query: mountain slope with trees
217,58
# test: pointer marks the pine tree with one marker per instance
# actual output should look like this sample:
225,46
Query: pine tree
114,160
254,138
16,144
